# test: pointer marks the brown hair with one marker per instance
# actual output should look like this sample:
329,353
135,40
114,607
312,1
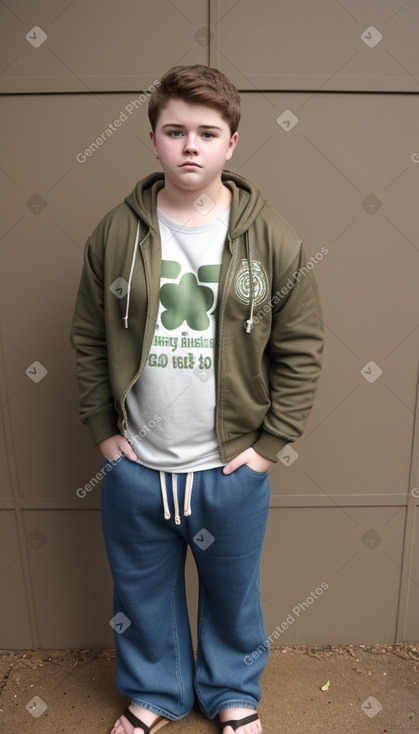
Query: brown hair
197,84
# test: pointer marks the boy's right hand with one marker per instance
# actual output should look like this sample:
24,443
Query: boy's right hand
114,447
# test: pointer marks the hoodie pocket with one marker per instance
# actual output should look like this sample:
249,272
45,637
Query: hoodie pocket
245,406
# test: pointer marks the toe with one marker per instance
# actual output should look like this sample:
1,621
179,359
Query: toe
253,728
122,726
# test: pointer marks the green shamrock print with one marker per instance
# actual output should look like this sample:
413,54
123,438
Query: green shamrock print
187,301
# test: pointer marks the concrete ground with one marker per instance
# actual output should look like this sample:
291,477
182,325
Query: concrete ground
306,690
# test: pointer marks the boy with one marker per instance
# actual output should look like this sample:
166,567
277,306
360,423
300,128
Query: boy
199,341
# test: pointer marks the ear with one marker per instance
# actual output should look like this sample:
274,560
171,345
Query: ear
233,142
153,142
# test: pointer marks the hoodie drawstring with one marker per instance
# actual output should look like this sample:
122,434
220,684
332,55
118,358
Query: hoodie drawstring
137,238
187,500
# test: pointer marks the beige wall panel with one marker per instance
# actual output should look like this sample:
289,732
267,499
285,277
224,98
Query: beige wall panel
80,47
15,628
5,489
54,457
5,483
318,173
356,552
71,580
44,137
354,451
307,45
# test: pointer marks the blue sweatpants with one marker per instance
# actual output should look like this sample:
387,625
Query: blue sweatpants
146,549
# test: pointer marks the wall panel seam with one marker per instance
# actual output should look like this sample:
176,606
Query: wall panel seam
409,533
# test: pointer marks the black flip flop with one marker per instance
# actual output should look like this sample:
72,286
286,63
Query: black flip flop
237,723
135,721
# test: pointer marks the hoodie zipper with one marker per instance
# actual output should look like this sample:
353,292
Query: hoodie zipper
219,405
146,330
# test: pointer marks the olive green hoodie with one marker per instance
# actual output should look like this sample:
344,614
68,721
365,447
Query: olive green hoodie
269,329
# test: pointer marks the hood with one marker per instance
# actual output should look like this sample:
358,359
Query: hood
143,197
246,204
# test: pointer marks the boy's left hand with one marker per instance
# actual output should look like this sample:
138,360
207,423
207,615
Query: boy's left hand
255,461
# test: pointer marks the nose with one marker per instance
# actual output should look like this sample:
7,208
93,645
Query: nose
191,145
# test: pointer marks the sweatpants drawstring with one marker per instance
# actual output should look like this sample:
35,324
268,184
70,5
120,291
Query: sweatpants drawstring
187,499
164,495
175,498
188,494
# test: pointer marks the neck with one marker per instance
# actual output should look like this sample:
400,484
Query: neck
194,207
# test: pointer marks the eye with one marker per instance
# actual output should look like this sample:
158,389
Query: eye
208,136
174,133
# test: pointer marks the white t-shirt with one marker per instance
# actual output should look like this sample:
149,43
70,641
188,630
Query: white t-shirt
171,407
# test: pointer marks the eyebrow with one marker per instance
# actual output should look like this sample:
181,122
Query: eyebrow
200,127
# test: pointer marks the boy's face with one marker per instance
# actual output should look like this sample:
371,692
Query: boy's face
192,143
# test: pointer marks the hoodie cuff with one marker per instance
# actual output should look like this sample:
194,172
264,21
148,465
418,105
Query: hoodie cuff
269,445
103,425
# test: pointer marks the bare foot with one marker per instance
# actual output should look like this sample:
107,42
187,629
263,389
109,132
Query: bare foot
123,726
233,714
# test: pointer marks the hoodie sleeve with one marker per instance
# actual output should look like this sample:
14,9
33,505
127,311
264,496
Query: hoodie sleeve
295,351
88,337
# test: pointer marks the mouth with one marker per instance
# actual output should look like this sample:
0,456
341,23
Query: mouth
190,164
